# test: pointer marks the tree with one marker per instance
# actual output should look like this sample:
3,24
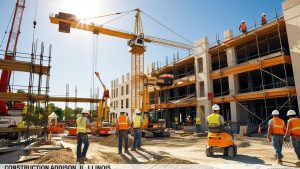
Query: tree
69,113
60,113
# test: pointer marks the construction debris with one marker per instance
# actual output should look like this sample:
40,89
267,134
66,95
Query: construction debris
56,157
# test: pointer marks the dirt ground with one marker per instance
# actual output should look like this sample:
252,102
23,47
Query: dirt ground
177,149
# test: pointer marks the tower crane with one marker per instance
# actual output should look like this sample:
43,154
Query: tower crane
135,42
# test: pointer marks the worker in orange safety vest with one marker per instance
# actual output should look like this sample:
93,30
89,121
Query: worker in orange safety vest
276,131
122,127
243,27
263,19
293,130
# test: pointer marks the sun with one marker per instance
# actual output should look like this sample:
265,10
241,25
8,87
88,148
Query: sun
84,8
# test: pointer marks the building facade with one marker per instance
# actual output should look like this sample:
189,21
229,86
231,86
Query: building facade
120,95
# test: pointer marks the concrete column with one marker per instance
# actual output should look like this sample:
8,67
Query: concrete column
291,13
235,108
201,51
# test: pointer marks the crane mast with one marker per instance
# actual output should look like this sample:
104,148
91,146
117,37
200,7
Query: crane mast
10,51
136,42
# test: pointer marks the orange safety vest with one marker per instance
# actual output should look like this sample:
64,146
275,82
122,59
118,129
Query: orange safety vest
278,126
243,26
295,123
123,123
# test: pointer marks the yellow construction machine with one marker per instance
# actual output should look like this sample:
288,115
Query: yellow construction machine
154,126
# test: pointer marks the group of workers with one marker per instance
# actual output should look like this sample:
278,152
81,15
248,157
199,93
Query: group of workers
243,26
277,131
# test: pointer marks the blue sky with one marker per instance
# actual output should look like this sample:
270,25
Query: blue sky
72,53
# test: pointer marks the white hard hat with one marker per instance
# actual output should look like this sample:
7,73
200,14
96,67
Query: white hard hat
263,14
242,21
291,113
215,107
85,111
275,112
136,111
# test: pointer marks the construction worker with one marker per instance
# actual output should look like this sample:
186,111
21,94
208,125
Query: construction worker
276,131
122,128
198,123
263,19
137,123
215,120
176,123
293,131
83,123
243,27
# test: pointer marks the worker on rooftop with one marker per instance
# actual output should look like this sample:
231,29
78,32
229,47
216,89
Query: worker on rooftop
137,123
122,127
243,27
263,19
293,131
83,123
276,131
215,120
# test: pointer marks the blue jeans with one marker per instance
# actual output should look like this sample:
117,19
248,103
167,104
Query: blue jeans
198,128
123,134
137,138
82,138
296,145
277,142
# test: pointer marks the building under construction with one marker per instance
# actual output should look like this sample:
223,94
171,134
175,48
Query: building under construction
248,75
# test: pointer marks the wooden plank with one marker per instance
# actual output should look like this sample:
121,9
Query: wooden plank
22,66
27,158
249,66
269,93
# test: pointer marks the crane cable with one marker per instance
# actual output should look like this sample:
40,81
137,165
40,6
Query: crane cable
101,16
173,31
7,27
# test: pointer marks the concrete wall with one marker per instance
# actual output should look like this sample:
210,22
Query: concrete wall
291,13
201,51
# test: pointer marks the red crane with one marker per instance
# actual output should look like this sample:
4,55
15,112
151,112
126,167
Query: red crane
10,51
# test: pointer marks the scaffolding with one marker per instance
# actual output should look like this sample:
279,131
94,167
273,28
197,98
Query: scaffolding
262,64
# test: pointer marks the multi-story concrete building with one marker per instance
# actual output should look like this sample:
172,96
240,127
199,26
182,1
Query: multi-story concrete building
248,75
120,95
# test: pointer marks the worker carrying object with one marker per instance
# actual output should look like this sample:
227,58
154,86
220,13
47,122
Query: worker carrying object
293,131
137,123
243,27
215,121
276,131
263,19
198,124
122,127
83,123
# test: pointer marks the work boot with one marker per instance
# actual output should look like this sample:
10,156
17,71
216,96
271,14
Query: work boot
133,149
126,151
81,161
77,160
140,148
298,164
119,153
279,161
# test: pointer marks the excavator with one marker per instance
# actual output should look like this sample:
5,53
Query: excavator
102,126
153,126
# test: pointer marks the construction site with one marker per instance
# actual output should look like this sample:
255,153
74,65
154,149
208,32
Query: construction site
247,75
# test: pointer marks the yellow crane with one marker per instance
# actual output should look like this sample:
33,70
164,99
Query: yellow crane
135,42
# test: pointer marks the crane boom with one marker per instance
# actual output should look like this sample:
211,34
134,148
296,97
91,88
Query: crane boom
10,50
101,29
